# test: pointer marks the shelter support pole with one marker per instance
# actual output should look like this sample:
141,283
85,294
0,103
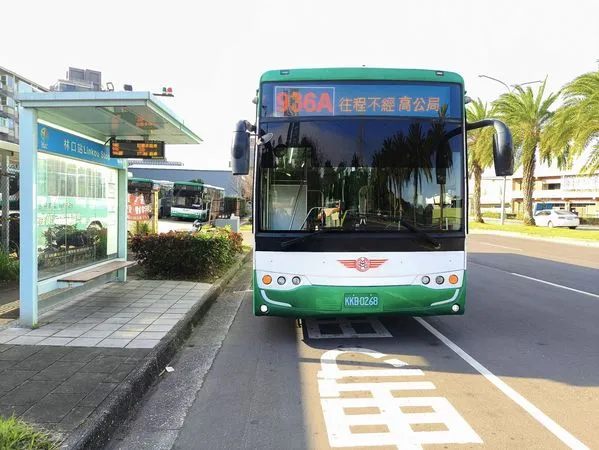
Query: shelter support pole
28,296
122,222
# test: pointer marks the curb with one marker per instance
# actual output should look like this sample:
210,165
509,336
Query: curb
579,242
96,430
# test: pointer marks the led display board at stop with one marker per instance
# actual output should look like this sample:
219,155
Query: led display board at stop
120,148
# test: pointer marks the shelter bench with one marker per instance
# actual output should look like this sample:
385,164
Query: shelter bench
80,278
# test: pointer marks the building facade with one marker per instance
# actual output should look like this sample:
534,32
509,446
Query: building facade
553,188
78,80
12,83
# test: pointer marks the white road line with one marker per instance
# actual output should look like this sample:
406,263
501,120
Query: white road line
531,409
590,294
501,246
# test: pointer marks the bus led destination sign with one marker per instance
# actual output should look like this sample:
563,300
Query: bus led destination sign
362,100
120,148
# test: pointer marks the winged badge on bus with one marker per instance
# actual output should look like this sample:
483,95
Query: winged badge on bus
362,264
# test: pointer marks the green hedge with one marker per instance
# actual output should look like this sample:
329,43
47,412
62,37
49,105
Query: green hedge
184,255
496,215
589,220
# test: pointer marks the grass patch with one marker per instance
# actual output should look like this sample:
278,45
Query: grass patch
18,435
9,267
588,235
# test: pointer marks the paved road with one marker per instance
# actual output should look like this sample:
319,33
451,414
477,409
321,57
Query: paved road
519,370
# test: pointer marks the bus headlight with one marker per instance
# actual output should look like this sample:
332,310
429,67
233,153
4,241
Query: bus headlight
296,280
281,281
426,279
440,279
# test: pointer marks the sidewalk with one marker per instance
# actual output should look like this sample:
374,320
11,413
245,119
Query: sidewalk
94,356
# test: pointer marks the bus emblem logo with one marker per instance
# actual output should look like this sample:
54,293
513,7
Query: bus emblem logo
362,264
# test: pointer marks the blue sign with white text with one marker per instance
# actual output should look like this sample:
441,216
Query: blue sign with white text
66,144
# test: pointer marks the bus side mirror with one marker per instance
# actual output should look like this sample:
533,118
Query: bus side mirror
503,150
240,148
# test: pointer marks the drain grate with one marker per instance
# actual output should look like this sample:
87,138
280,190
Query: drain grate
342,327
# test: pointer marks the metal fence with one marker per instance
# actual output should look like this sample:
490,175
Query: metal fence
4,192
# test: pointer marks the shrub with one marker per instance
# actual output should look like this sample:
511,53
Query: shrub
589,220
9,267
184,255
142,227
497,215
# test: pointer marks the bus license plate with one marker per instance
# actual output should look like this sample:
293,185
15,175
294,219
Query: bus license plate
368,301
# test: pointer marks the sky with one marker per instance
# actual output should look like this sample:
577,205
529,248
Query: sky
212,53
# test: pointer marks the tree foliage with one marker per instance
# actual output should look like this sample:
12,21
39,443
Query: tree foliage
527,113
480,150
575,125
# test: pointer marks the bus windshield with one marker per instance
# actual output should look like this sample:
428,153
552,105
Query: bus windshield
361,174
187,196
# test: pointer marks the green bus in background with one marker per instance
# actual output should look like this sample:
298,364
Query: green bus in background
197,201
360,191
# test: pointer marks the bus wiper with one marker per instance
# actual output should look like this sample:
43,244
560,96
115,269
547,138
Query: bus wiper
410,226
290,242
422,234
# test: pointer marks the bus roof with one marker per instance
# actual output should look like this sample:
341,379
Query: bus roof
191,183
361,73
146,180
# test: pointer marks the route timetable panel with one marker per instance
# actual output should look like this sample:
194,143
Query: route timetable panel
136,149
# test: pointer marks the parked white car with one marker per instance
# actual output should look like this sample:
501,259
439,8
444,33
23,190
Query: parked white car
556,218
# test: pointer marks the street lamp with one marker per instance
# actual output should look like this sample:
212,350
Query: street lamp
505,178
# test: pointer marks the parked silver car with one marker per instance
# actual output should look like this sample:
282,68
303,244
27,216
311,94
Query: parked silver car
556,218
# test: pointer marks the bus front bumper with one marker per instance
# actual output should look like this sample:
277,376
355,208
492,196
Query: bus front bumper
316,300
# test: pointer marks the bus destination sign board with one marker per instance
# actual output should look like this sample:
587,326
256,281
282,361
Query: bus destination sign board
416,100
120,148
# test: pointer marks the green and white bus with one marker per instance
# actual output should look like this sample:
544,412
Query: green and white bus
360,191
164,188
197,201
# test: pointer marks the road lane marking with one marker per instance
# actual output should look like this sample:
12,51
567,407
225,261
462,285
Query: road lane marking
531,409
501,246
590,294
385,409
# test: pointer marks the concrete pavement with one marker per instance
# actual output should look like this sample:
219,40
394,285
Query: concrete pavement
92,359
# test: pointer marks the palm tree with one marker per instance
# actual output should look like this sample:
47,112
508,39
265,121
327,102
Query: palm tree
418,153
575,124
480,150
527,115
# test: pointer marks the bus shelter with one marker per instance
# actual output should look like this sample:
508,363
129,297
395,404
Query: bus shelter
73,194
